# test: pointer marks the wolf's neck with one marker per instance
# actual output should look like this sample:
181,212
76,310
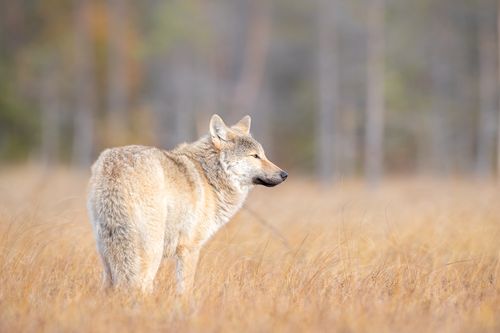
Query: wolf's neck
230,195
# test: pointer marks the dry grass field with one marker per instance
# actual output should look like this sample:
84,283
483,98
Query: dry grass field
414,256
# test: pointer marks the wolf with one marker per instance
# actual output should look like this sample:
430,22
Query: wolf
146,204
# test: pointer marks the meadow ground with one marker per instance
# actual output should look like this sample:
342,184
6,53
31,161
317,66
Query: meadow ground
413,256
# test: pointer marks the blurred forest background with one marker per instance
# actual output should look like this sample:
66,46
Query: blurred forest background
336,88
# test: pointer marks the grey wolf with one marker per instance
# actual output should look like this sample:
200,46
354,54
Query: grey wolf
146,203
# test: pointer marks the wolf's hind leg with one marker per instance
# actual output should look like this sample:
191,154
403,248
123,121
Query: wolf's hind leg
152,241
151,260
186,262
107,281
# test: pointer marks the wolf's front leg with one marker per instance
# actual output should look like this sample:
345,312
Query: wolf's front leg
186,262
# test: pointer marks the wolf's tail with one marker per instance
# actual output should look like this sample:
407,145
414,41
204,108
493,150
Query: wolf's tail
115,236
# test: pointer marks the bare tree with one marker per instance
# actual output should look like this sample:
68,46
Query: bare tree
117,68
498,93
175,91
207,78
328,88
50,103
375,92
439,40
84,94
183,83
257,45
165,99
487,91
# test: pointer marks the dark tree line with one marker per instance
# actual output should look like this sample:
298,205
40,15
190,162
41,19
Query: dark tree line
364,87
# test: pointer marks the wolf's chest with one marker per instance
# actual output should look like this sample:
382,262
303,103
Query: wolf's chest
224,213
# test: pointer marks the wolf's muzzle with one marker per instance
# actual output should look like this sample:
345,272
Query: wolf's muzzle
270,182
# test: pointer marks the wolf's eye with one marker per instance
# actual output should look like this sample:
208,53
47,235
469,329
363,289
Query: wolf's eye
256,156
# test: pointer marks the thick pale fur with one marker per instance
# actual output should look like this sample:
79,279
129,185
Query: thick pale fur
146,203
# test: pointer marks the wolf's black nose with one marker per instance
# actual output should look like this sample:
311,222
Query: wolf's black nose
283,175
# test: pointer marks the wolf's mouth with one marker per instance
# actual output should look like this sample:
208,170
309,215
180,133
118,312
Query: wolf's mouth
265,182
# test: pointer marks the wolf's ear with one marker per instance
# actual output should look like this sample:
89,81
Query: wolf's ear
218,130
244,124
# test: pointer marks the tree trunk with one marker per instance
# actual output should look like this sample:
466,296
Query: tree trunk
117,70
163,104
184,88
51,114
375,93
487,92
498,92
250,81
348,140
175,91
85,99
328,89
440,44
206,69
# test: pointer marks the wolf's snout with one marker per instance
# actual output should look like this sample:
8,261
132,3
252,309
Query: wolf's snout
283,175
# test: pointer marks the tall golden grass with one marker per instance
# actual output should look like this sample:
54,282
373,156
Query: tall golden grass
414,256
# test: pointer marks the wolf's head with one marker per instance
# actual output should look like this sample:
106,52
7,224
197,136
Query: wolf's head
241,156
